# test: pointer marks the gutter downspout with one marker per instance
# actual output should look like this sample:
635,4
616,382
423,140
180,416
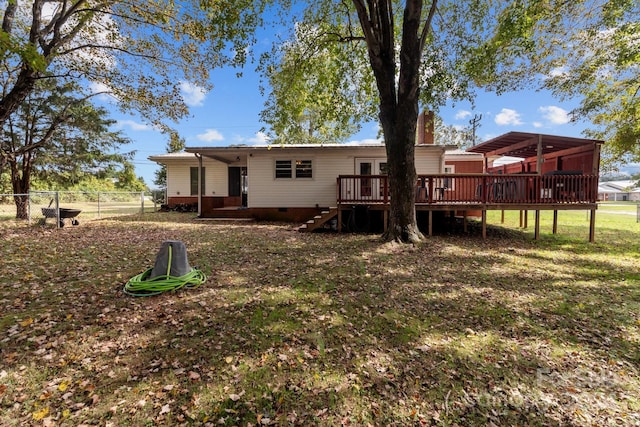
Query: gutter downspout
200,184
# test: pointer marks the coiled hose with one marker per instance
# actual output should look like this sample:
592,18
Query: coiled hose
140,286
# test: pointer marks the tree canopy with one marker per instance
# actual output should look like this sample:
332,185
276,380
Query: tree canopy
60,138
139,52
587,50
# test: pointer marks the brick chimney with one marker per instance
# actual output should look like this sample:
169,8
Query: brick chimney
424,130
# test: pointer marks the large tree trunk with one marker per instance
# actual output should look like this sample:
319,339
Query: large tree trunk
21,184
402,226
24,85
398,103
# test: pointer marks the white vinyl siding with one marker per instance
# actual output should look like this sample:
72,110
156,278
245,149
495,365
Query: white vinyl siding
265,191
179,177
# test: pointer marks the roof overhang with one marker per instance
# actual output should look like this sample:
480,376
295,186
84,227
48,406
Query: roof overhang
527,145
230,154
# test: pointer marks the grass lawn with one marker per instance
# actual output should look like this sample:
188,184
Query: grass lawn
322,329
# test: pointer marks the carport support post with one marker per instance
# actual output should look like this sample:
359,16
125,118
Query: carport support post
536,233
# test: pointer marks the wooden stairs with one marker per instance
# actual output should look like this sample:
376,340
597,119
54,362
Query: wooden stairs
318,220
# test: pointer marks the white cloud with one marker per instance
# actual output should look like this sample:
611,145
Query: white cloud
259,138
104,92
508,117
537,125
210,135
193,95
365,142
133,125
558,72
462,114
556,115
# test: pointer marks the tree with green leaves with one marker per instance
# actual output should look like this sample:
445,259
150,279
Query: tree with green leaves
586,50
59,137
312,96
140,52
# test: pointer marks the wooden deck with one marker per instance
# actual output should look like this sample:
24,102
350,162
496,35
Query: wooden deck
478,192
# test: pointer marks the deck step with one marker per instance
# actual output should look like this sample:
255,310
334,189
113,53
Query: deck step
319,220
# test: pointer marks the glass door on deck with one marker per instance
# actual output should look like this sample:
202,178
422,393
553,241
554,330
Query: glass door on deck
370,188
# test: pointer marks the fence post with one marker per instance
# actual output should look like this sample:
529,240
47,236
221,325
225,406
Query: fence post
57,199
99,213
142,202
29,208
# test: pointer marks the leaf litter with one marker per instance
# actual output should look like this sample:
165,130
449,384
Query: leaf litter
314,329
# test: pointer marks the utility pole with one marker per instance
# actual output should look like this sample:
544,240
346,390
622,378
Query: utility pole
475,123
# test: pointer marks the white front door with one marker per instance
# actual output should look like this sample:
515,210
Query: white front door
370,188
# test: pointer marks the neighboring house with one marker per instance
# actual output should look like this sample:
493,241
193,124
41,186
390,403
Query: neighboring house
619,191
283,182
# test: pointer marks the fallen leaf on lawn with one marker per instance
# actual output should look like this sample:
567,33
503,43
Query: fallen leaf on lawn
3,388
194,376
26,322
236,397
228,359
63,386
165,409
39,415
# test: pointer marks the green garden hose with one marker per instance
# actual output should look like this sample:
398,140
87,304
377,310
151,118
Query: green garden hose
141,286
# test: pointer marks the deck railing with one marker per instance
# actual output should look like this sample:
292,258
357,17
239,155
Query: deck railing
475,189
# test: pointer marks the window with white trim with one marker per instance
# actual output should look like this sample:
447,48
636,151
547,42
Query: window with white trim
304,169
293,169
283,169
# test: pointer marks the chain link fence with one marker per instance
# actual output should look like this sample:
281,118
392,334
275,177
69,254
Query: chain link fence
61,208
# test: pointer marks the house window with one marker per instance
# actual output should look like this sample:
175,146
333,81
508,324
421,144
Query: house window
283,169
194,172
304,169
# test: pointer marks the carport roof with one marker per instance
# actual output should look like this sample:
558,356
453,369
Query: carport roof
525,145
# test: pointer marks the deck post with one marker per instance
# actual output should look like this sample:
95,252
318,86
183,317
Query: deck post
502,217
339,219
484,223
464,221
536,233
521,218
555,221
526,219
592,226
385,219
430,223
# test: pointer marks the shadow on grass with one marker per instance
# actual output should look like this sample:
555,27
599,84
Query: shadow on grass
316,330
